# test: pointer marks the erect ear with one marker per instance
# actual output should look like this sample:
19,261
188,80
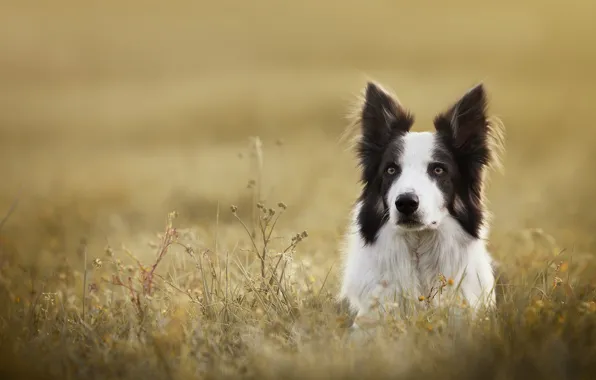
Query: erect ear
382,115
465,124
464,129
382,119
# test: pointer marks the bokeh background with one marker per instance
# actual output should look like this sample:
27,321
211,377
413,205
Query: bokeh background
113,113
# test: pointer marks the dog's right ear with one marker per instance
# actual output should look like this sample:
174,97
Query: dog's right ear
382,119
382,115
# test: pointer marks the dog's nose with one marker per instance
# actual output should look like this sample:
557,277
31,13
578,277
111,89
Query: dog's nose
407,203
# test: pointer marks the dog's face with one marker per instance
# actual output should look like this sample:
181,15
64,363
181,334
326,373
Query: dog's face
417,180
413,181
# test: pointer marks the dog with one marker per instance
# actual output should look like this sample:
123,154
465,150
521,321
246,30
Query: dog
420,223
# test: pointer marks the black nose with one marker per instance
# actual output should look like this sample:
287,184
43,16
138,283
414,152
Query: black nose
407,203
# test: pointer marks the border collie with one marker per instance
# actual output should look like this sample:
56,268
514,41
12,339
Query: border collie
421,215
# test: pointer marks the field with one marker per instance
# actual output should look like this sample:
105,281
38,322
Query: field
142,142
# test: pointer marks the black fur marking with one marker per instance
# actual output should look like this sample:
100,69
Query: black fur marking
383,121
446,182
462,134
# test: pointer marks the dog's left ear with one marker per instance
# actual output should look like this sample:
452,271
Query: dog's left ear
465,124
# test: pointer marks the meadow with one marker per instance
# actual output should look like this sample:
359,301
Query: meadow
175,186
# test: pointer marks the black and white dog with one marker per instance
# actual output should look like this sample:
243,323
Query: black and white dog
421,212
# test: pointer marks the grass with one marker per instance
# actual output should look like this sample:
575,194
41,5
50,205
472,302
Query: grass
260,311
121,116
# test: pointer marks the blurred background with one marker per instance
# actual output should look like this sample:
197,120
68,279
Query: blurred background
113,113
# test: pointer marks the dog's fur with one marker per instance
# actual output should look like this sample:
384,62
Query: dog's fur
392,255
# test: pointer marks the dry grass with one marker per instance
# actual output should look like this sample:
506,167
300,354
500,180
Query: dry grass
114,114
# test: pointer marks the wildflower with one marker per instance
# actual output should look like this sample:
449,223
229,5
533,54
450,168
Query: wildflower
282,205
421,298
450,282
97,263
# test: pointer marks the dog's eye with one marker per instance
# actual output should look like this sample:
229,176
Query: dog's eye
438,170
391,170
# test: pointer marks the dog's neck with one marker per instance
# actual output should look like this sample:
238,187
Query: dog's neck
449,235
444,250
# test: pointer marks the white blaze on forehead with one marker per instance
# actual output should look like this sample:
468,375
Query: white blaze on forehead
417,154
418,149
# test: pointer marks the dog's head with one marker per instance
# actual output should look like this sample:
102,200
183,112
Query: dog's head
413,181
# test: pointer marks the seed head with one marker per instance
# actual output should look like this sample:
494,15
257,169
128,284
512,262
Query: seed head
282,205
97,263
234,209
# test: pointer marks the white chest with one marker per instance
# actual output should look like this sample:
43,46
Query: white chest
403,269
